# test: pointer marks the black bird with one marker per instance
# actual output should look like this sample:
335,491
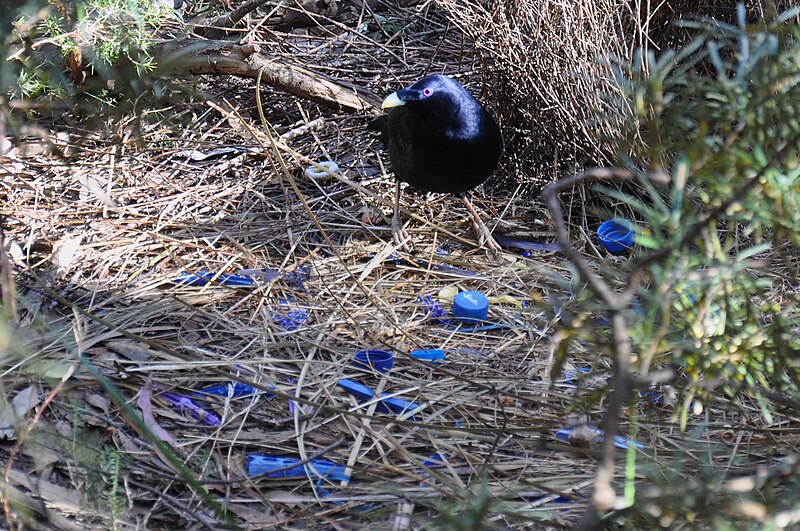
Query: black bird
440,139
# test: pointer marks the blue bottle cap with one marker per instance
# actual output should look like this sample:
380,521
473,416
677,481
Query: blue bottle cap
379,360
616,235
470,307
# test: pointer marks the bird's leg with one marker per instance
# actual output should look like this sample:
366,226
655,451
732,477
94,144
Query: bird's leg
399,234
481,230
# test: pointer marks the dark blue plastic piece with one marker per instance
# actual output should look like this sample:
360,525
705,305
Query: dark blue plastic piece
573,374
238,389
386,405
289,467
470,307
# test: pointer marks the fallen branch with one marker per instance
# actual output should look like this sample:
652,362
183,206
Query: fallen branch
229,58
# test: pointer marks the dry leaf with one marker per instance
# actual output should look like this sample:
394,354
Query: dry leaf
147,414
66,253
12,414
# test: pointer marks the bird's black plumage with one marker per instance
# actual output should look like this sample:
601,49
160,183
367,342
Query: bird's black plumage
440,139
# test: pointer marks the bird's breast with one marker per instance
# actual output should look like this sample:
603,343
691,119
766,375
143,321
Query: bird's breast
427,157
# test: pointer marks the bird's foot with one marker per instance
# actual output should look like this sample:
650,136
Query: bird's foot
400,235
486,240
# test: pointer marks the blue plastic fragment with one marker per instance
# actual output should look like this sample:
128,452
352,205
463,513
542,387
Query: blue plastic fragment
617,235
653,394
234,389
572,375
205,277
619,441
471,307
184,403
435,461
386,405
299,277
296,278
433,307
289,467
292,320
433,355
525,245
292,403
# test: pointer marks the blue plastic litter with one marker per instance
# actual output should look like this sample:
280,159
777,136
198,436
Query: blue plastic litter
205,277
572,375
436,311
525,245
245,278
291,320
289,467
234,389
435,461
184,403
386,405
653,395
299,277
433,307
433,355
471,307
372,359
619,441
616,235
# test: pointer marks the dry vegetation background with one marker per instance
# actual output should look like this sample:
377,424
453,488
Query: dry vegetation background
102,213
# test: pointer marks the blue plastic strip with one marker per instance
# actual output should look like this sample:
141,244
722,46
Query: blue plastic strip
525,245
386,405
289,467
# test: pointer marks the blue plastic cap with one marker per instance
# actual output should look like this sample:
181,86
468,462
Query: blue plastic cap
379,360
470,307
616,235
432,355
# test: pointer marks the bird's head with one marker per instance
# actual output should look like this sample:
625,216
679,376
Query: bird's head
442,97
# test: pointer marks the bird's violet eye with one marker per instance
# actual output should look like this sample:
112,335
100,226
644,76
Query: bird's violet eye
427,91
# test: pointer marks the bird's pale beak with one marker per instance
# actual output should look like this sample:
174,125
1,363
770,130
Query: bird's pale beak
392,100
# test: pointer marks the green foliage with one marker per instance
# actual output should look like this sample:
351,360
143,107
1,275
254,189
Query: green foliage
716,308
717,241
110,41
726,112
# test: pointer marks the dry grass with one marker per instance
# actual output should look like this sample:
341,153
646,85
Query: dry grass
96,237
554,59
